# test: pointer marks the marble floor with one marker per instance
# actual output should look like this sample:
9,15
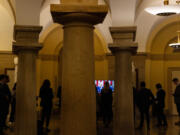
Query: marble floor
101,130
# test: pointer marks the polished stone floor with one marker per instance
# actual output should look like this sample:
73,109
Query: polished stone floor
101,130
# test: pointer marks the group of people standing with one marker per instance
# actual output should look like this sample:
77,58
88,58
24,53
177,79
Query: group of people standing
144,99
6,98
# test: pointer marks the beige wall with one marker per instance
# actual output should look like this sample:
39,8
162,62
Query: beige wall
6,61
47,69
101,69
6,27
159,71
161,59
139,63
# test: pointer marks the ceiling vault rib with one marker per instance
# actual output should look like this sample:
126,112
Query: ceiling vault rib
13,11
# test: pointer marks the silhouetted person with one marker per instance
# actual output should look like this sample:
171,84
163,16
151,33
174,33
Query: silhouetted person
59,95
13,104
98,104
8,95
160,104
134,101
7,102
2,99
46,96
106,100
145,98
177,97
5,98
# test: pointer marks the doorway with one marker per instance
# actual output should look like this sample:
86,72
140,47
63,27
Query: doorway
173,73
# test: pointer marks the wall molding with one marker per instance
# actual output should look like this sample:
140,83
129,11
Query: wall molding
51,57
168,57
6,52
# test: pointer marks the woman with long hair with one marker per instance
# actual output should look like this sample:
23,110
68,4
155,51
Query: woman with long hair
46,96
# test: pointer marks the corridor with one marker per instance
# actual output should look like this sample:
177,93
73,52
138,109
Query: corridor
171,130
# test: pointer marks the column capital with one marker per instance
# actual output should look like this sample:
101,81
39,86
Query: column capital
123,38
26,38
65,13
120,34
131,47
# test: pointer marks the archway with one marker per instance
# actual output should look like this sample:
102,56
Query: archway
161,60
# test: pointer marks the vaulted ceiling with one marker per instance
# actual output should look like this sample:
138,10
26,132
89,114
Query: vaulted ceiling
121,13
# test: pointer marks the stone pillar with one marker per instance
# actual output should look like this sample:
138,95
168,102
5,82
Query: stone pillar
26,47
123,48
78,114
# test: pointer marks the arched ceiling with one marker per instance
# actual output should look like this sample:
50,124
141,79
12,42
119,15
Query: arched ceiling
53,37
28,12
122,13
159,44
6,26
46,19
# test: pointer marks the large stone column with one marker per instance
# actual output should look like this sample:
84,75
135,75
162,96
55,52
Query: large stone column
26,47
123,48
78,114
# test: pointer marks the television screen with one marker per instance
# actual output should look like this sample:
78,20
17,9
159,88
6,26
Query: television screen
100,84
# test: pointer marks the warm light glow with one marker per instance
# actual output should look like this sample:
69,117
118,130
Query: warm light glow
164,10
175,45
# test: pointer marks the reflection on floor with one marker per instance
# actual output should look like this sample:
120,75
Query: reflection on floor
172,129
101,130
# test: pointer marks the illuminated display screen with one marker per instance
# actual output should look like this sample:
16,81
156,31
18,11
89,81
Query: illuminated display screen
100,84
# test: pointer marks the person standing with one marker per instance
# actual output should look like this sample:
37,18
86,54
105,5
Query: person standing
2,100
98,104
59,95
13,104
5,98
106,101
7,94
145,99
177,97
160,104
46,96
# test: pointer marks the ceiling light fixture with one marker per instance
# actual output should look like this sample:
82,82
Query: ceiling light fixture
168,8
176,45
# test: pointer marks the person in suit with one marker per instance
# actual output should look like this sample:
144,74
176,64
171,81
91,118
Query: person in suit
46,95
5,98
160,104
176,95
106,102
13,104
145,99
2,99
